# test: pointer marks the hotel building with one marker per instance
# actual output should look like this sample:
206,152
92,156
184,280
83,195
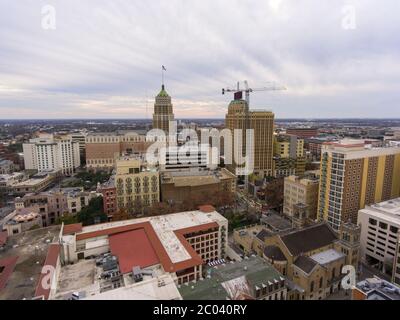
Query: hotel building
50,152
354,175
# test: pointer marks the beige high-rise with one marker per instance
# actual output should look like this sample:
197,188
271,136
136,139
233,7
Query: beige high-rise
163,111
262,122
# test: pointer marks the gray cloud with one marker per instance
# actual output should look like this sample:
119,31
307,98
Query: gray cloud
104,58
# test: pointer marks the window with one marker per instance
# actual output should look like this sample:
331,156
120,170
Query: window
312,286
394,229
383,225
321,282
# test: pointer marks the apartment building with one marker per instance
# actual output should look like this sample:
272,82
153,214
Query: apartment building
49,152
380,229
137,186
301,191
354,175
103,149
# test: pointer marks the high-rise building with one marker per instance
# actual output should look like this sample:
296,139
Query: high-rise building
163,111
354,175
262,122
50,152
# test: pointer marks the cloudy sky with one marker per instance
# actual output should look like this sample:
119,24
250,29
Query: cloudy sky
104,58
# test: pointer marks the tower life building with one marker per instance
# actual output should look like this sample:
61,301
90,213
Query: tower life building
163,111
262,122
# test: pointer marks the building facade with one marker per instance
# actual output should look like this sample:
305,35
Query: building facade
103,149
353,176
303,132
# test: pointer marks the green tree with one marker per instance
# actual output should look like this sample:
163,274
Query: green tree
93,212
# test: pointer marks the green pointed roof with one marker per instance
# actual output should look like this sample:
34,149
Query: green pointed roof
163,93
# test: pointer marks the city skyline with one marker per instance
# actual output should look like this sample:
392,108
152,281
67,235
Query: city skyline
103,60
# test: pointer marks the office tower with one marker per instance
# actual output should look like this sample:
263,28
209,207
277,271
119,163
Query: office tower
354,175
48,152
163,111
262,122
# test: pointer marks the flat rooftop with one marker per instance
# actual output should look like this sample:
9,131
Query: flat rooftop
387,210
327,256
31,250
379,289
84,277
275,222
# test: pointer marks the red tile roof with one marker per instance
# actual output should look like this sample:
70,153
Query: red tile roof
8,264
72,228
207,208
51,261
158,247
3,238
133,248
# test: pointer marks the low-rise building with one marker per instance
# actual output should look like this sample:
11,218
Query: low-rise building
22,220
37,183
375,289
7,181
56,203
6,166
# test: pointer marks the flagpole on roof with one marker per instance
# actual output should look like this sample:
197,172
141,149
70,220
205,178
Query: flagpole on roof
162,74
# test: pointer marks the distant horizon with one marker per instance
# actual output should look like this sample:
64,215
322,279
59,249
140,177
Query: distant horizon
147,119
